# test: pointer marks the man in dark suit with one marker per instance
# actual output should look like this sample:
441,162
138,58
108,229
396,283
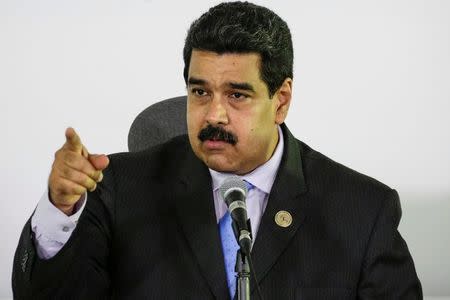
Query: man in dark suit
150,230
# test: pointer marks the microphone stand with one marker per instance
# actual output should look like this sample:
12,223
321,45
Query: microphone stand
242,267
243,276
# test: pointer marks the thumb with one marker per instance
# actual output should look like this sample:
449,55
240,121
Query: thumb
99,161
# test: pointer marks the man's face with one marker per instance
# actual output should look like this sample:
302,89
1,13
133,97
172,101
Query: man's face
232,122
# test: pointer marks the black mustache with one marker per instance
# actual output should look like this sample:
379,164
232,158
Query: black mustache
218,134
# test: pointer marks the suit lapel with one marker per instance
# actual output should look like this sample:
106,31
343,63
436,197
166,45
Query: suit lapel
196,213
285,195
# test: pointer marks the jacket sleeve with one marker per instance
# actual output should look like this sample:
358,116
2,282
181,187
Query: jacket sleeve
80,269
388,270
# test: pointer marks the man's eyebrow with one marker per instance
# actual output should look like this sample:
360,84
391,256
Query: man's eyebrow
245,86
242,86
197,81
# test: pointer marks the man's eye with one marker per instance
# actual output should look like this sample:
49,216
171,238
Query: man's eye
238,96
199,92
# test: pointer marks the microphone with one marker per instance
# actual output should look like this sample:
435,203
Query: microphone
234,191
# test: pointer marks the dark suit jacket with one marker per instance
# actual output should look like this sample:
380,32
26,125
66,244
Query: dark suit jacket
149,231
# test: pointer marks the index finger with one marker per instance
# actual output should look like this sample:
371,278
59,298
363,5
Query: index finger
73,141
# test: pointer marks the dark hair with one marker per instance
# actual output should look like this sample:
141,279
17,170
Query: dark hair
243,27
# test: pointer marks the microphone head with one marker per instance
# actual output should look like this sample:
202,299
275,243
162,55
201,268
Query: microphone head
233,183
234,191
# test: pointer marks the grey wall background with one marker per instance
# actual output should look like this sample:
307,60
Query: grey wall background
371,90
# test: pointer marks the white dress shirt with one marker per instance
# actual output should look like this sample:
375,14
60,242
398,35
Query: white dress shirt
52,228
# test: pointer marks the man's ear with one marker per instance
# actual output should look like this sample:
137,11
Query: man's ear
283,98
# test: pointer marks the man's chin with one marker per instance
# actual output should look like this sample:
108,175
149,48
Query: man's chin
219,164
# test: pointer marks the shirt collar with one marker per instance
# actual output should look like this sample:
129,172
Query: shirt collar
263,176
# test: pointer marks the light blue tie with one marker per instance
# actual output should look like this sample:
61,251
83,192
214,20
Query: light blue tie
229,248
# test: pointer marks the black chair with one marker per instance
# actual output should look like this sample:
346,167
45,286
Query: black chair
158,123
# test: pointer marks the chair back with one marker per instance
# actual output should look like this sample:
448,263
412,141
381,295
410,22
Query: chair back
158,123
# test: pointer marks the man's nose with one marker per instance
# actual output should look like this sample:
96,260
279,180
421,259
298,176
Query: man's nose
217,112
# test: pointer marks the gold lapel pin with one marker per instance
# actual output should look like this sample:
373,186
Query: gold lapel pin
283,218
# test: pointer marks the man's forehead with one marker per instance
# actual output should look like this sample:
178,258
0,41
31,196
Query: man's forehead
198,51
208,67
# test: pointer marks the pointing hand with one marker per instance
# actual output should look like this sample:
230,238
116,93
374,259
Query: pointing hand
74,171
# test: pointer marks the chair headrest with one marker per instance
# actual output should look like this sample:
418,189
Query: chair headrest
158,123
